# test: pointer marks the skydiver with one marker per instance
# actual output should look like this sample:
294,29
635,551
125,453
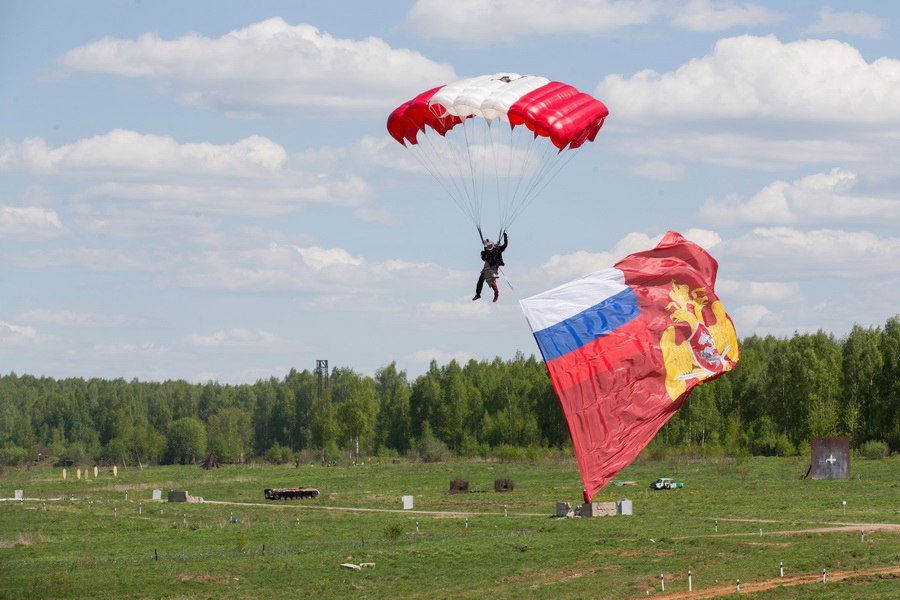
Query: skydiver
492,255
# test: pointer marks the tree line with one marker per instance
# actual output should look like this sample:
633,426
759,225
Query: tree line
783,392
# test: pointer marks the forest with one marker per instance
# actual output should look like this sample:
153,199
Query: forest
783,392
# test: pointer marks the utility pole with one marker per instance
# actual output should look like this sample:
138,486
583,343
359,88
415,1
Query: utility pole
321,385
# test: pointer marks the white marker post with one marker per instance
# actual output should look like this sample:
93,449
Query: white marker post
690,582
781,568
662,582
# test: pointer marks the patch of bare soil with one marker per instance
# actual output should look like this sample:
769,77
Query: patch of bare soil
204,578
749,587
573,571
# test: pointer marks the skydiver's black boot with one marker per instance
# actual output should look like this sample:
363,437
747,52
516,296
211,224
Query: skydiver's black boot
478,287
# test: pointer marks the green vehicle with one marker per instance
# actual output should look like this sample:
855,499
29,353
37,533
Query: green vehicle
666,483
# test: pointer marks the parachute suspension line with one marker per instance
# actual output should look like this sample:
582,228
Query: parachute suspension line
470,130
430,159
495,156
457,161
508,197
506,279
436,157
529,149
554,167
423,159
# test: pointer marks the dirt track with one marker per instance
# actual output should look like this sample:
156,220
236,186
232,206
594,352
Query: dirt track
433,513
751,587
832,527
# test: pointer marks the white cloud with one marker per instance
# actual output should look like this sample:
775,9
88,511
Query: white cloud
760,291
130,153
505,21
851,23
236,337
274,197
13,334
748,317
761,149
803,255
95,259
267,66
67,318
331,275
128,350
29,222
659,170
320,258
134,184
822,198
709,15
762,77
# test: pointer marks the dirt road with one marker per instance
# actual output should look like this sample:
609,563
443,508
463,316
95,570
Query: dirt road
750,587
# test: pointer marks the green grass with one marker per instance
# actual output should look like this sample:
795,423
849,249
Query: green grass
96,544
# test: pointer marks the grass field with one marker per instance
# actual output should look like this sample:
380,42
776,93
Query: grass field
734,519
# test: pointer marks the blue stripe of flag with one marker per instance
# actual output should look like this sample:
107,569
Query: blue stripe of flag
585,327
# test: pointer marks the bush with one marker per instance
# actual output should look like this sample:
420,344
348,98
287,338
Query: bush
874,449
509,452
13,456
469,446
784,446
278,454
430,448
393,531
75,454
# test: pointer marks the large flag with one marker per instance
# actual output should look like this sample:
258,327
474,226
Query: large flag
625,346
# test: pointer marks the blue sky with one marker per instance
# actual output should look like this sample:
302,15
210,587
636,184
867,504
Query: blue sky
207,191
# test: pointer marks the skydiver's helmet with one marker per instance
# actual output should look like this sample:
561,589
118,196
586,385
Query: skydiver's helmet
488,245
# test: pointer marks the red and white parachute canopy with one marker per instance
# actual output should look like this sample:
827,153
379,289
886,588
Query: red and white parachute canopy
452,130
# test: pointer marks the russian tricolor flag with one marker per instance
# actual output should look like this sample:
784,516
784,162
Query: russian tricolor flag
624,347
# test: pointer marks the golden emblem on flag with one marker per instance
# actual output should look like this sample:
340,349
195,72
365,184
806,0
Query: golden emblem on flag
709,350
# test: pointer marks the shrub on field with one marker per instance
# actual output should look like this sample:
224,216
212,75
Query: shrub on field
535,452
874,449
469,446
13,456
508,452
431,449
387,454
279,454
393,531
